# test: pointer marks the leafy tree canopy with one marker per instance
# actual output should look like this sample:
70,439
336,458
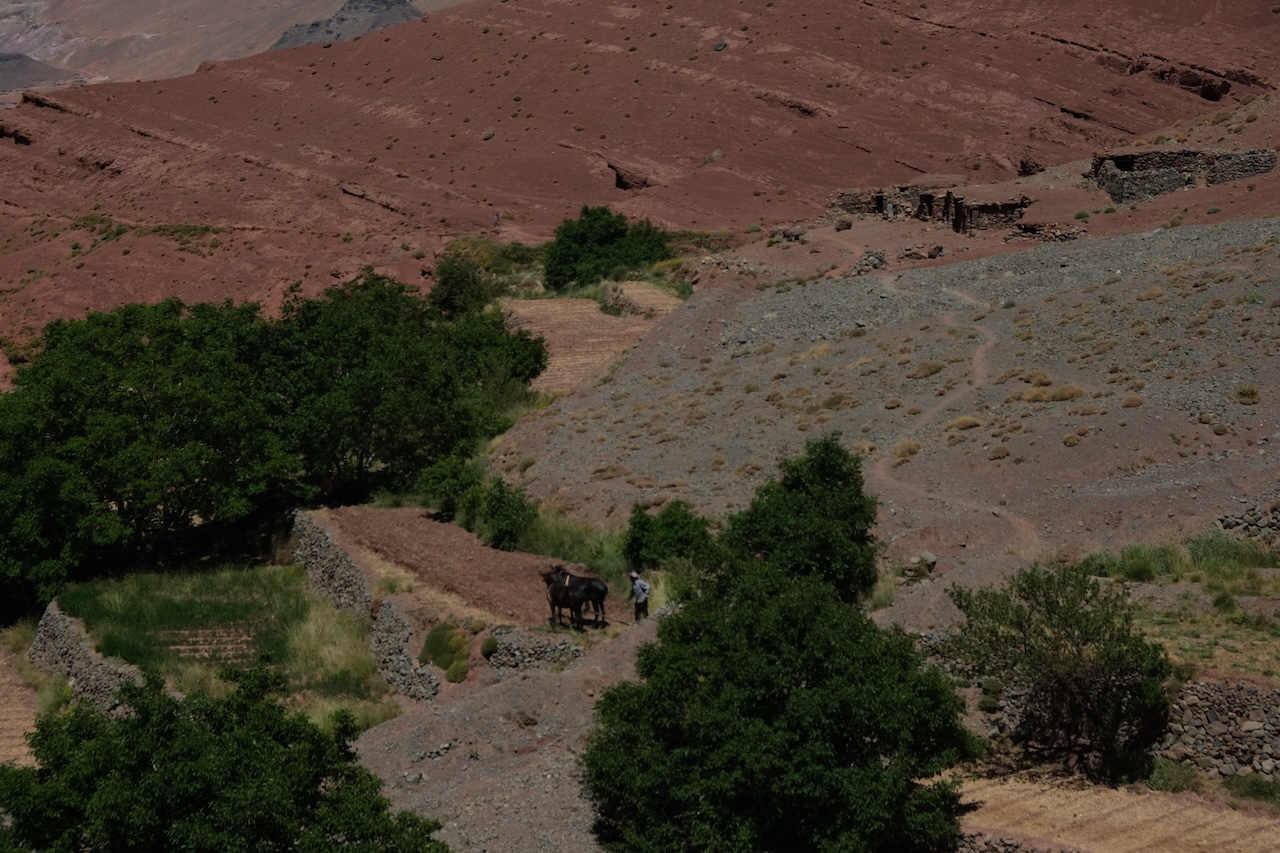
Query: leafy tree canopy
591,247
774,717
1094,685
200,774
815,519
772,714
676,532
133,433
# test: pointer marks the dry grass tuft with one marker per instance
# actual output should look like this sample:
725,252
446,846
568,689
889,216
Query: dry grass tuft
925,368
997,452
905,449
892,403
964,422
1133,401
1063,393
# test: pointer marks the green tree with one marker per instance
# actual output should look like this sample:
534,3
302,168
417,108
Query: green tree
462,287
771,716
589,248
675,532
378,387
130,428
815,519
199,774
1094,686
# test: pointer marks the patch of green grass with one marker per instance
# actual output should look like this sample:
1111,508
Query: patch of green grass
52,690
1265,791
553,534
1172,777
188,626
448,647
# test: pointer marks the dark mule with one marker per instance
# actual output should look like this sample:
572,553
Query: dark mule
560,596
594,589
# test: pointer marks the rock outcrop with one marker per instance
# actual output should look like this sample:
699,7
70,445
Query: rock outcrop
355,18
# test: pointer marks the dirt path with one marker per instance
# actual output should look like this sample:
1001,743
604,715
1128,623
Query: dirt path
1106,820
17,712
1023,534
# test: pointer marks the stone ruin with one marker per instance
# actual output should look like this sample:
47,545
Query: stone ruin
1129,174
964,210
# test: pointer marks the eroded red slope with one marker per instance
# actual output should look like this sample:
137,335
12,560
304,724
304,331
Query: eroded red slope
700,113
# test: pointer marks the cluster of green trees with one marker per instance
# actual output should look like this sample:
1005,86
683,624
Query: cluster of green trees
771,713
200,774
600,244
152,430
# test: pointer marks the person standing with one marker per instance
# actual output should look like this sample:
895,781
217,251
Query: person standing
640,592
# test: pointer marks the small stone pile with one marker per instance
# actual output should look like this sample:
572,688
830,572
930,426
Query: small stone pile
1225,729
1260,521
976,842
388,641
872,259
520,649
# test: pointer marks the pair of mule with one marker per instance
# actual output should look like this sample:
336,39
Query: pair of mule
573,592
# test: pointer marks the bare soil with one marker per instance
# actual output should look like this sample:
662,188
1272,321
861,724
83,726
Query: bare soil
315,162
17,712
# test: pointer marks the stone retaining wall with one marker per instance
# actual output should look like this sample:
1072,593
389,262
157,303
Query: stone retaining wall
388,644
329,568
1225,729
62,645
1259,521
520,649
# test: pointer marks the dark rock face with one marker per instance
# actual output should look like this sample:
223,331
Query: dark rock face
19,71
355,18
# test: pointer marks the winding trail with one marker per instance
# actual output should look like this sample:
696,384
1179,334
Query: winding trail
1024,535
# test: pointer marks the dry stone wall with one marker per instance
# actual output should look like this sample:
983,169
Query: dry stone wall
1130,174
521,649
62,645
330,569
1226,729
972,842
1260,520
335,575
388,643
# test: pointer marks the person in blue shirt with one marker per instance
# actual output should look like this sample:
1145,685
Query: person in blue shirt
640,592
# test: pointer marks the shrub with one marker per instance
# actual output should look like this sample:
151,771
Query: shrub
988,704
1255,788
1094,686
588,248
488,647
457,671
445,645
462,287
1172,777
505,513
